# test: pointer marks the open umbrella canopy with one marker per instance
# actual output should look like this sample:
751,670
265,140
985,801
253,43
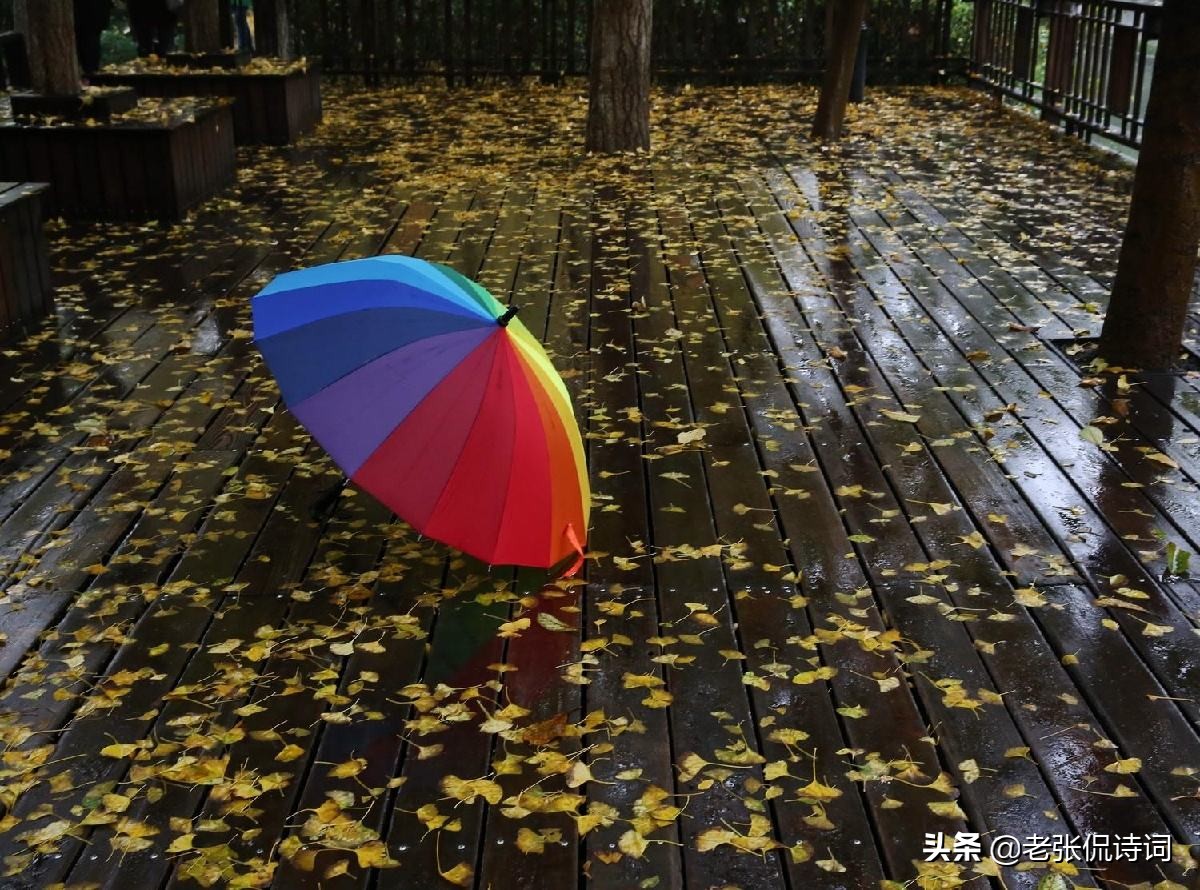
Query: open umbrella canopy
435,399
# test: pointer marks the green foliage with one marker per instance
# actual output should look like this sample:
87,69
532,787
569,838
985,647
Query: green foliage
116,46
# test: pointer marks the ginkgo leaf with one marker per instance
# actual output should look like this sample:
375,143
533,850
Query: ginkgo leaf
947,809
551,622
901,416
460,875
530,842
632,844
348,769
466,790
817,791
830,865
579,774
289,753
1126,766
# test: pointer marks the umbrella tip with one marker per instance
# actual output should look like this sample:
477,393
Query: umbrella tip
508,316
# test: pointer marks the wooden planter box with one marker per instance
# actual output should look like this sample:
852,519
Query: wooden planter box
128,169
25,295
269,109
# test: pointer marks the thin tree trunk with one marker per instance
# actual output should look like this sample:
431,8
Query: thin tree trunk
809,29
571,31
448,40
730,28
389,31
1157,268
202,26
410,39
468,41
271,34
526,37
49,29
619,97
367,29
839,70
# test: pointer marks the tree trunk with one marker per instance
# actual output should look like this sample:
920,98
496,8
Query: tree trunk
1148,309
839,69
729,29
271,34
202,26
368,28
619,96
49,29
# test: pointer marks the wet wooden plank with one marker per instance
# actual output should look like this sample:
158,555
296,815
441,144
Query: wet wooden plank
388,747
620,597
1020,658
1099,555
1142,421
464,645
538,657
174,621
161,815
140,415
410,572
691,589
256,750
841,452
767,608
99,618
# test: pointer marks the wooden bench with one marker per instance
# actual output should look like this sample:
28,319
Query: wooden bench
25,295
269,109
132,169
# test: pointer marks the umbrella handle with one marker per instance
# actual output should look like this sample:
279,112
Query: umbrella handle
509,314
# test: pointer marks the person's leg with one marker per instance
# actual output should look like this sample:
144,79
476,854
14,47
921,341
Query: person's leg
244,37
165,37
89,25
89,52
82,25
81,46
141,27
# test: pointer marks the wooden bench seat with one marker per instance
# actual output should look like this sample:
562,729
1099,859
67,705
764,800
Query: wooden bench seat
128,169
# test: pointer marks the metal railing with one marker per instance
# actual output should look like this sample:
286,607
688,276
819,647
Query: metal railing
1084,64
732,40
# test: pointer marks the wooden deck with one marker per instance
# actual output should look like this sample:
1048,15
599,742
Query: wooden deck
891,592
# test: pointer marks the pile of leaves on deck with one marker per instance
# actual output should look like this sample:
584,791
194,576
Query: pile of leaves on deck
169,715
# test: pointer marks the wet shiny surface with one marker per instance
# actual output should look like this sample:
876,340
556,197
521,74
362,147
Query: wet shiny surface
855,576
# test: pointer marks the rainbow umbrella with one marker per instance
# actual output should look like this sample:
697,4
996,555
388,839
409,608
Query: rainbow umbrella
435,399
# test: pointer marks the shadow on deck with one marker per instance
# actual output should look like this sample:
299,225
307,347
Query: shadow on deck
891,593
